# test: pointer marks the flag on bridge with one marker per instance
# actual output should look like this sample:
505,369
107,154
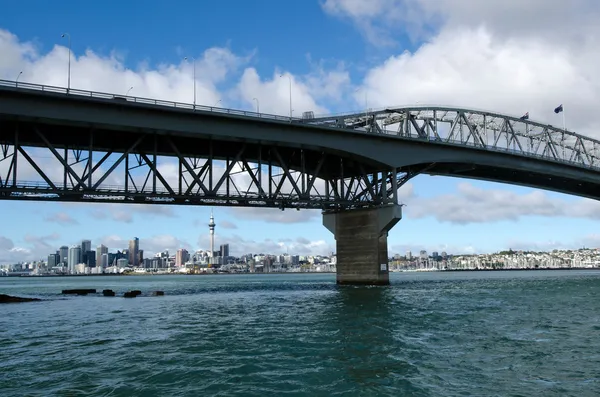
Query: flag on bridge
525,116
558,109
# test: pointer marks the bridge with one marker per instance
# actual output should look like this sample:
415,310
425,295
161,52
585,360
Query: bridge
111,148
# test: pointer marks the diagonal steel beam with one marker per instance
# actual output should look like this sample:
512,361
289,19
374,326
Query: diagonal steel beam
37,168
228,170
66,166
118,162
286,171
184,162
157,173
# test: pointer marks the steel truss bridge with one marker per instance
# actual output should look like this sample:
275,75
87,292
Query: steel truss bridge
94,147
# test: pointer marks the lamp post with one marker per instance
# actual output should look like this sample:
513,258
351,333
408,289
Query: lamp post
68,36
129,90
17,80
216,103
257,105
366,104
290,79
194,67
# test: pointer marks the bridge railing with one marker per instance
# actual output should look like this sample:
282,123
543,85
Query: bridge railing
141,100
44,188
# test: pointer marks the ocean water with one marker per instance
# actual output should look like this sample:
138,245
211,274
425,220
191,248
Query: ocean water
527,333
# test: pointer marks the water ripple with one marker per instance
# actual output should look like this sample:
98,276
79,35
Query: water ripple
451,334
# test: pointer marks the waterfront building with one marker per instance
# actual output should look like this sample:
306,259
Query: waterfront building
181,257
101,250
74,258
86,246
104,261
134,247
64,254
224,249
53,260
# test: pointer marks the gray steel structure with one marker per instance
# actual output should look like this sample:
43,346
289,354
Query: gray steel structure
238,158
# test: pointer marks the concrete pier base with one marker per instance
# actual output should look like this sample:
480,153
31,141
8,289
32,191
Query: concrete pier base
361,243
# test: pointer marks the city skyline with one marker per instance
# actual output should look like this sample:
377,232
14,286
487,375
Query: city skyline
368,61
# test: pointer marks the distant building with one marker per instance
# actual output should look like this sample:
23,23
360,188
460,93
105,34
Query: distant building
103,261
224,250
74,258
86,246
53,260
181,257
101,250
134,247
64,254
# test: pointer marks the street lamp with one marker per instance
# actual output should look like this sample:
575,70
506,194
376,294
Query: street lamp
216,103
20,73
366,103
257,105
194,67
129,90
69,78
290,78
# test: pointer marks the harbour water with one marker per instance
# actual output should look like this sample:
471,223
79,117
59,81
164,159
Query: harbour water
525,333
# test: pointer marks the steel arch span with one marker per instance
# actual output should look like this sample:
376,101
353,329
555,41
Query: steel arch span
108,148
517,150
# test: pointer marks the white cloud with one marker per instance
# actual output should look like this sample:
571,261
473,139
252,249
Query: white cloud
239,245
62,218
506,56
275,215
381,20
470,204
38,247
227,225
273,94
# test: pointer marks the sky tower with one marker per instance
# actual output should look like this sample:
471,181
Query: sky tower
211,227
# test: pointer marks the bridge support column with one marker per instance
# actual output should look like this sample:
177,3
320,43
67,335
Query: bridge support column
361,243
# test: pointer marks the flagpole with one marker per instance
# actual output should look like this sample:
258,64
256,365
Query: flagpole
564,131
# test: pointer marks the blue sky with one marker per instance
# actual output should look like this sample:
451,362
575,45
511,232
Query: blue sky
335,50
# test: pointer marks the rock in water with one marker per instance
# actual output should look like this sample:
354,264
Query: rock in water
16,299
81,291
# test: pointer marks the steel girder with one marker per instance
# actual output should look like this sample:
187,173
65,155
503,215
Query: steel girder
255,177
484,130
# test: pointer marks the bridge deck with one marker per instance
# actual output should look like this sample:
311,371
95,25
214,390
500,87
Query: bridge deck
369,154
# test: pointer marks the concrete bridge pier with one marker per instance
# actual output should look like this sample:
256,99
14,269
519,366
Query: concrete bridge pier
361,243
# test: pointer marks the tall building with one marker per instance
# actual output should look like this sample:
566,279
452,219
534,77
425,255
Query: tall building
64,254
101,250
103,261
53,260
74,258
134,248
224,250
86,246
181,257
211,227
